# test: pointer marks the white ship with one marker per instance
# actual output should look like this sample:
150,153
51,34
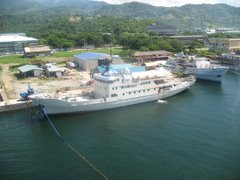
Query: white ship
114,89
199,67
232,61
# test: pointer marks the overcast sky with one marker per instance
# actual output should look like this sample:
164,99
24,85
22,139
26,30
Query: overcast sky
170,3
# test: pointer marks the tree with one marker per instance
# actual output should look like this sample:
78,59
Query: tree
176,45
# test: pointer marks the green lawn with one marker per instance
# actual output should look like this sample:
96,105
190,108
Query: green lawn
74,52
13,59
20,59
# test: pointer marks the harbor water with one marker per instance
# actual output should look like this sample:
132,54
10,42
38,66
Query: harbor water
193,135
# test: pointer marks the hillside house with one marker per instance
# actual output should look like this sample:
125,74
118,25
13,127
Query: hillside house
162,29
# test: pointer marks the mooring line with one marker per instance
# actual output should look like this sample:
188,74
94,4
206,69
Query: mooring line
70,146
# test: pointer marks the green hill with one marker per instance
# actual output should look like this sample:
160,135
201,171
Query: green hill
27,15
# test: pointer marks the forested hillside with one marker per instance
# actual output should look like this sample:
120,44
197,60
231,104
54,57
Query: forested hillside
71,23
184,18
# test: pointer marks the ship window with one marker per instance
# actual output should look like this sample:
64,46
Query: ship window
139,91
123,94
129,92
148,90
113,95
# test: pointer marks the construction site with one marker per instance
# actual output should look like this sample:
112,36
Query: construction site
11,86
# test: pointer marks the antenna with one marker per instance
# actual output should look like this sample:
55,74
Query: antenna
111,51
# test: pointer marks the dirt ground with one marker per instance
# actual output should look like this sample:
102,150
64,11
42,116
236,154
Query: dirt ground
73,80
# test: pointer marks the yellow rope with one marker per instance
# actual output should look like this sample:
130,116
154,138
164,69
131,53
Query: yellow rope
71,147
88,162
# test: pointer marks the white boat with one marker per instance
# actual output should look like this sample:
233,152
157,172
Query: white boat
114,89
232,61
197,66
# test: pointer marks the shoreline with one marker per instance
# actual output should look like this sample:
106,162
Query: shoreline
13,105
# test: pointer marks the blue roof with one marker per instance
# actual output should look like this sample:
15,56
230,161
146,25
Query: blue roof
91,55
119,67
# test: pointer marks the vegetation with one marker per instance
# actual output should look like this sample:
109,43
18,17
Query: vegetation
69,25
67,54
224,35
42,20
13,59
57,56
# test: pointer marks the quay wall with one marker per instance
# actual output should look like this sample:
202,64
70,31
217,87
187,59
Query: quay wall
15,106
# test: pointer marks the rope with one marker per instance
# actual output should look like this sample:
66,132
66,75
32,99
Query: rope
70,146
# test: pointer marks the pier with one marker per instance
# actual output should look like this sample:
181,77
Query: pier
9,97
13,105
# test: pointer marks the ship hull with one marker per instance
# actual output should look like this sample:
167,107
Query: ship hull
55,106
202,71
212,74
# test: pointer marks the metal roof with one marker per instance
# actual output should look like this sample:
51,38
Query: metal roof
92,55
52,68
34,49
120,67
27,68
15,38
148,53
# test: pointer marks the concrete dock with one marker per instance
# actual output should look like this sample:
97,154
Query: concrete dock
13,105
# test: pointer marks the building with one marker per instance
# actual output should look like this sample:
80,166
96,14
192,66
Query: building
223,44
32,51
54,71
90,60
186,39
153,65
30,71
162,29
14,43
145,56
230,59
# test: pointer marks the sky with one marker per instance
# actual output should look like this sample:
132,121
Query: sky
171,3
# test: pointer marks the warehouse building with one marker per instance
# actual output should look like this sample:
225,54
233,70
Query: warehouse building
162,29
30,71
146,56
223,44
14,43
90,60
39,50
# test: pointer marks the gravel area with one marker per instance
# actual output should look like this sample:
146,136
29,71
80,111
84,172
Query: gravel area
71,81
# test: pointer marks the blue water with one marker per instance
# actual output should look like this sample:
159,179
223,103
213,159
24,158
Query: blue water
194,135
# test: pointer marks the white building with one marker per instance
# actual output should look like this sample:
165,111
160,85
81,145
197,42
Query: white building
13,43
223,44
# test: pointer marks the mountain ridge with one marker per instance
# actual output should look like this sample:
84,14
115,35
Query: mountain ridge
187,17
